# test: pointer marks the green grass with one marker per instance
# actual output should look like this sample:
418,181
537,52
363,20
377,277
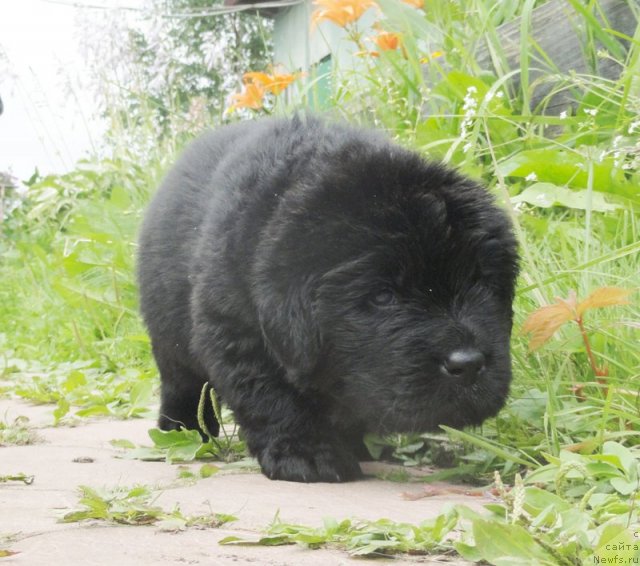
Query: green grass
529,525
71,335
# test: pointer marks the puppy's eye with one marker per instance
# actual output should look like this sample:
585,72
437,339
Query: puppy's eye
383,297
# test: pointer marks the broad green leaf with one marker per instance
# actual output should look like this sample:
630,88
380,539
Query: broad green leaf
565,168
168,438
182,453
468,551
617,545
536,499
603,469
509,545
546,195
624,486
628,461
74,380
120,198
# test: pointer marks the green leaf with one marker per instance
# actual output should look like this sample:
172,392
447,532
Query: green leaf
74,380
120,198
616,546
94,411
509,545
168,438
182,452
536,499
566,168
208,470
628,461
468,551
546,195
61,410
623,486
491,447
232,540
270,540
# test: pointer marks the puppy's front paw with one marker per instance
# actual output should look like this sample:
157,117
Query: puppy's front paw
292,459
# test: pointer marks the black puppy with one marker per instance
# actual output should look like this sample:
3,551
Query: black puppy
326,283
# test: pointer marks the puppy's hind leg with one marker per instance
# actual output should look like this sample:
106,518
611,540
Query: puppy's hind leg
181,388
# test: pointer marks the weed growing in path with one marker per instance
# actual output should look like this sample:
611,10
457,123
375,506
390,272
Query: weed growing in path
135,506
17,432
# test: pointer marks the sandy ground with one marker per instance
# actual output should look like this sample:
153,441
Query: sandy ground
30,512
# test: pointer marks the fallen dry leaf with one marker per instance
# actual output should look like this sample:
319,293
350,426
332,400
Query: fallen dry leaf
434,491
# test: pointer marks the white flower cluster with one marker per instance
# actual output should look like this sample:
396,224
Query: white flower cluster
626,151
491,95
470,109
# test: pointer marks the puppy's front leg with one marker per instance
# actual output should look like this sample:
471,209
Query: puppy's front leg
292,442
284,428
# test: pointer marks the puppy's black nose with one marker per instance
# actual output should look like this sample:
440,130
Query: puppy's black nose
465,364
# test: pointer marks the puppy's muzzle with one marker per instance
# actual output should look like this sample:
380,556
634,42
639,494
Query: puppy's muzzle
465,365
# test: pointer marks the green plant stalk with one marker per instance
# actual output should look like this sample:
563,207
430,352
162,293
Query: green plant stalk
494,44
201,421
596,28
615,255
489,446
597,371
588,211
606,410
550,423
512,213
525,32
629,77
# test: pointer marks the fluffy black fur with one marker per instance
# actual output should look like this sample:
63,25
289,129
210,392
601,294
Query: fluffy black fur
327,283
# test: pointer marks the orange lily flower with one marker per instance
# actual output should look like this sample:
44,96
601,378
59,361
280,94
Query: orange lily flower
340,12
251,97
387,40
274,83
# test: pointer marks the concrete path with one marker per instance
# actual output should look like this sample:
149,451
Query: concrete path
67,457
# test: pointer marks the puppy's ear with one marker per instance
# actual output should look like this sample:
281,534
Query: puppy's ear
290,327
